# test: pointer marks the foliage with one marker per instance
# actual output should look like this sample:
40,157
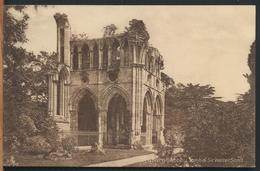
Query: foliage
109,30
10,161
36,145
82,36
137,31
137,145
212,128
27,127
68,143
167,80
48,129
25,82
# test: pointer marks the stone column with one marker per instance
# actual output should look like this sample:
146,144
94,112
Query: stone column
122,56
62,98
102,126
80,57
91,56
109,55
66,86
50,94
100,58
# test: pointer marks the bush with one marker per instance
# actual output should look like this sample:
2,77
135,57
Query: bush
26,127
11,144
48,129
36,145
137,145
68,143
10,161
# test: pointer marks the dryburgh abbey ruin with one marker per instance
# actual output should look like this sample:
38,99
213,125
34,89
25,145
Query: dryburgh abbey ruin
107,90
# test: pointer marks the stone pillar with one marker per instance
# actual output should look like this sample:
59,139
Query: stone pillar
100,58
80,57
91,56
122,56
61,98
102,126
55,98
109,56
67,98
50,95
63,40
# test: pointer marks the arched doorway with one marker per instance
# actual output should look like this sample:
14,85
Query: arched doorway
145,118
156,120
87,120
117,121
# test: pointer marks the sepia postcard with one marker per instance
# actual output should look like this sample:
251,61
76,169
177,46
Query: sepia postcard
129,86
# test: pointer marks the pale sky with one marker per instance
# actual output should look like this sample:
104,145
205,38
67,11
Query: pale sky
200,44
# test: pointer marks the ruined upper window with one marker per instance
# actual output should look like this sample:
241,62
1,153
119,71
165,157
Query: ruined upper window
105,56
126,53
85,57
95,56
115,52
75,58
62,45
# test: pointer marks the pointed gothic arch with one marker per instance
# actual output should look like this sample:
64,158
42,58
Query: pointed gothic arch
147,110
85,56
95,56
105,56
75,59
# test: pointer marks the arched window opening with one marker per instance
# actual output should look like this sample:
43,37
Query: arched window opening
87,114
147,109
118,121
143,118
85,57
95,56
115,53
146,61
75,58
60,92
58,97
126,53
62,45
158,106
105,56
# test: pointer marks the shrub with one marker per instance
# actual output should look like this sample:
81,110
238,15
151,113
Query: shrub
10,161
48,129
68,143
11,144
36,145
137,145
26,127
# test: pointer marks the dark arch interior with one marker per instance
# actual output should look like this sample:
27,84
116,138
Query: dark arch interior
115,51
105,56
87,115
126,53
95,56
75,58
85,57
117,121
147,108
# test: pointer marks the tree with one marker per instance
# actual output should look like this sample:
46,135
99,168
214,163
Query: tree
245,119
137,31
109,30
25,82
15,58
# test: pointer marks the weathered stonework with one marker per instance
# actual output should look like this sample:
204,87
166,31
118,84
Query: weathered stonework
113,83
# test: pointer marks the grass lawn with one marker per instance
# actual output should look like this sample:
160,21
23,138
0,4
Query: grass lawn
81,158
148,163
